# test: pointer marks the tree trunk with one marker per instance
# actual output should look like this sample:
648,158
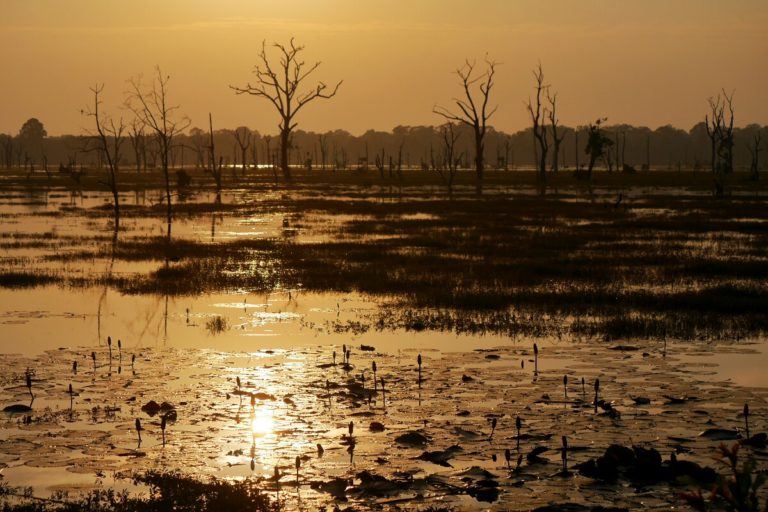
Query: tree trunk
479,164
284,141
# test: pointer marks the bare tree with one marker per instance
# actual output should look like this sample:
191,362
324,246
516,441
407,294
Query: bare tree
243,139
598,145
108,138
214,167
556,140
136,136
150,105
449,137
538,112
473,108
279,84
323,143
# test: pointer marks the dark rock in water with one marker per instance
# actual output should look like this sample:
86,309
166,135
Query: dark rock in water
477,472
336,487
367,348
483,492
17,409
533,456
720,434
412,438
376,426
757,440
151,408
466,378
642,466
372,484
441,457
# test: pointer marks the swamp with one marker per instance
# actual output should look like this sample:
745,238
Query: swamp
352,341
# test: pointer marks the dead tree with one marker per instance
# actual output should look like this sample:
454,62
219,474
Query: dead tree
243,139
538,112
556,140
150,104
473,109
136,136
214,167
108,138
449,137
323,143
279,83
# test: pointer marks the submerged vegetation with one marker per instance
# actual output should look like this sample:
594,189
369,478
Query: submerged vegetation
637,255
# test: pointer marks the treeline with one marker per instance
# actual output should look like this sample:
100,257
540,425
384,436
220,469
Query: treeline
419,147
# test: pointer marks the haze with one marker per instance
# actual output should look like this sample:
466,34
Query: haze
650,62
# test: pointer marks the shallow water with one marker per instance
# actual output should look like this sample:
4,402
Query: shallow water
190,350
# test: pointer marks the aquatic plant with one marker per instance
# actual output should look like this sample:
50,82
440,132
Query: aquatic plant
739,490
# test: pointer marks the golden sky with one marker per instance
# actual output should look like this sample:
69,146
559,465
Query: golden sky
643,62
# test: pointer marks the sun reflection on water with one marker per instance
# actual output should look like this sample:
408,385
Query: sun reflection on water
262,422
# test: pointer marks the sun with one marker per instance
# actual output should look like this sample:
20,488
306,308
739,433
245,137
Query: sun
262,422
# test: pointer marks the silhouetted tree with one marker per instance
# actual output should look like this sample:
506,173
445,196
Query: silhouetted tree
243,139
151,106
598,145
538,112
108,138
136,136
556,139
214,167
754,150
473,111
30,140
449,136
281,88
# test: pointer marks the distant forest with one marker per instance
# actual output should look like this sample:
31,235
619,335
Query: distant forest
412,147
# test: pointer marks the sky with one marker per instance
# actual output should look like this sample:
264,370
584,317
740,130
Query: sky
641,62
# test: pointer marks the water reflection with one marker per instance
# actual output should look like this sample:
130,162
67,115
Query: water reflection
262,421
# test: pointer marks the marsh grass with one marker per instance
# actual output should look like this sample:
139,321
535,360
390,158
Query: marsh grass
168,491
674,262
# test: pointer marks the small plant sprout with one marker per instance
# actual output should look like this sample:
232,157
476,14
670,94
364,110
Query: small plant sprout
383,393
597,392
746,419
93,357
277,483
373,367
565,455
298,465
518,425
163,422
28,375
74,367
535,359
508,457
138,429
418,361
565,386
493,428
